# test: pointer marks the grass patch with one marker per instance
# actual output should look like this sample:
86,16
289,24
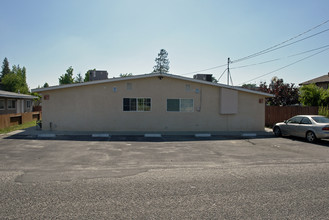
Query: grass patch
18,127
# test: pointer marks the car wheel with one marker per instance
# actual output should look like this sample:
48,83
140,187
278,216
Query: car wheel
277,131
310,136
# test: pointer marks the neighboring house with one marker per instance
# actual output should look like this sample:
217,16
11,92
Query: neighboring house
152,103
322,81
11,102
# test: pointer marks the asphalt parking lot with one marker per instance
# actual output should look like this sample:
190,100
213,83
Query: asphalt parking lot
166,178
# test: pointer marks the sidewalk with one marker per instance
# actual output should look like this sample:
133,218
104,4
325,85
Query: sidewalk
33,133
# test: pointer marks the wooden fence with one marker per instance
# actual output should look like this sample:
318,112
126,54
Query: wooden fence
274,114
8,120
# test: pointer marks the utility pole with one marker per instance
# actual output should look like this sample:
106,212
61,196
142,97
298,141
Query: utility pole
228,71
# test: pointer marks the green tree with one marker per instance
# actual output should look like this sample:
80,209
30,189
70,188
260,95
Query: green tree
323,110
324,97
312,95
125,74
78,78
214,80
46,85
21,73
15,81
162,62
37,100
11,82
251,86
87,75
67,78
5,68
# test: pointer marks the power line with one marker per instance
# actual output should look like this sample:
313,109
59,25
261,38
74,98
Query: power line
287,65
255,64
270,48
273,60
308,51
205,69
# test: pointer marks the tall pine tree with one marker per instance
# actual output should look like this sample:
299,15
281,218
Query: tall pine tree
162,62
5,68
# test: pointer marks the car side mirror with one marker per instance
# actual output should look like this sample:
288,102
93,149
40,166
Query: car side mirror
285,121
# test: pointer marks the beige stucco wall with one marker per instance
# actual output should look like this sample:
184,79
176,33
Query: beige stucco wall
98,108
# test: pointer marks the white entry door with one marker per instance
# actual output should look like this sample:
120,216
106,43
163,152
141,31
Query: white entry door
20,106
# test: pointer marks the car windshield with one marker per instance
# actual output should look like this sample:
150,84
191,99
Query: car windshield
320,119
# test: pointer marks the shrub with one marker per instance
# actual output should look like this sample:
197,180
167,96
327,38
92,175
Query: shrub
323,110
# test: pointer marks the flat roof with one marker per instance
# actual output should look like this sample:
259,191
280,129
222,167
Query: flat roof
6,94
40,90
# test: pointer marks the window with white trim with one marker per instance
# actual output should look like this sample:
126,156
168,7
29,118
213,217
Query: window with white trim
28,104
136,104
180,105
2,104
11,104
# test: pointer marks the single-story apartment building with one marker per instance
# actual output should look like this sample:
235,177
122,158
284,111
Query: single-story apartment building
152,103
11,102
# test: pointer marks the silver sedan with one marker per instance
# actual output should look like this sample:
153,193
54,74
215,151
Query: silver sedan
311,127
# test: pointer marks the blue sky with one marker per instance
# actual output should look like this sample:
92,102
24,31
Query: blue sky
125,37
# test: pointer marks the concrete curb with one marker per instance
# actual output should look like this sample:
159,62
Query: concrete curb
32,133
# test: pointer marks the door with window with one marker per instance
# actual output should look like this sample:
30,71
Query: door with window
291,126
303,127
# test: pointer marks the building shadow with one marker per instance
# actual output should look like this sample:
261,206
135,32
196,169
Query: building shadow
33,134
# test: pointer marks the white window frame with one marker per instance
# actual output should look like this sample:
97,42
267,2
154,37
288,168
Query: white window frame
137,104
9,105
180,104
4,104
27,106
